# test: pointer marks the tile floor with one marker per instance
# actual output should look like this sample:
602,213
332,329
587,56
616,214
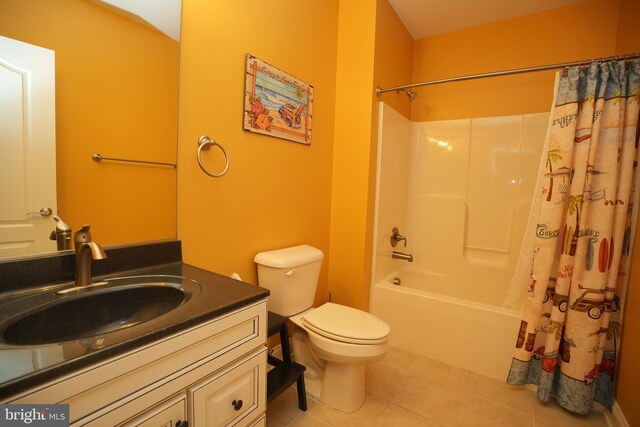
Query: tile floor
406,389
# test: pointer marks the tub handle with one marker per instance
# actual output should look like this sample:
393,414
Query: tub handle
396,237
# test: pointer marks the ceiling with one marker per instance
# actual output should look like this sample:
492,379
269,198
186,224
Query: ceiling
424,18
163,15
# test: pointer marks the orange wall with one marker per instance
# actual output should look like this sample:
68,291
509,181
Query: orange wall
351,166
277,193
108,74
628,41
550,37
374,49
393,58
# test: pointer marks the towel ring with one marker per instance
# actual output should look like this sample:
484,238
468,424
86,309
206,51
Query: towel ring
204,143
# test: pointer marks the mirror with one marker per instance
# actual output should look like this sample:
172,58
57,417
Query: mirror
116,94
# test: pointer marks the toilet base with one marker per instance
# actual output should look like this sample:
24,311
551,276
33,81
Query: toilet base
343,386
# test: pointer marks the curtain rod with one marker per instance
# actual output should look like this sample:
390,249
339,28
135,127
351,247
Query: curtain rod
380,91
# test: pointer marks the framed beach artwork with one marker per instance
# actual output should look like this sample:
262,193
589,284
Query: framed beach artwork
276,103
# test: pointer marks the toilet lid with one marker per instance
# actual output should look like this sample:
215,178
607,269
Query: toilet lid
346,324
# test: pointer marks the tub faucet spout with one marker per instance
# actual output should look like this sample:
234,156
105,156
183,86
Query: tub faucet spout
401,255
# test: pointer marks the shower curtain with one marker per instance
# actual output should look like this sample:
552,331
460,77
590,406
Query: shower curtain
577,247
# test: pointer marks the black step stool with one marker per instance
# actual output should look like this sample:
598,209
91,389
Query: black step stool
285,372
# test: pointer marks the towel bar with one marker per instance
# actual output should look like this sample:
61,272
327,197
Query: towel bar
99,157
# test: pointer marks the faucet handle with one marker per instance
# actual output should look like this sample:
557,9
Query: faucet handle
82,236
60,224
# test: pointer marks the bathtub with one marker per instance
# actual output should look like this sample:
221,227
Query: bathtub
472,335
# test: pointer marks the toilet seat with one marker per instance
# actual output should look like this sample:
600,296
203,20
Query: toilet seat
346,324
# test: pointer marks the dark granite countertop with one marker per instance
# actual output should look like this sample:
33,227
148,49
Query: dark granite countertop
26,366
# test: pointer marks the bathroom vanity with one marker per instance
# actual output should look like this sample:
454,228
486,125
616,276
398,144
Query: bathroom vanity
202,363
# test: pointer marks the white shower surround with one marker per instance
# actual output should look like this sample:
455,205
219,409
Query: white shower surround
460,192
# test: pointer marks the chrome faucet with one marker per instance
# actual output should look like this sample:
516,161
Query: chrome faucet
402,256
86,251
397,237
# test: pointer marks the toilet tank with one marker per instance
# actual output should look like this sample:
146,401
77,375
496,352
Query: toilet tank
291,275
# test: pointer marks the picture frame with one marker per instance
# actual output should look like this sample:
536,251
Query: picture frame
276,103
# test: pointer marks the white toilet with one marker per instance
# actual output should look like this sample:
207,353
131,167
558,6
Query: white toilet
333,341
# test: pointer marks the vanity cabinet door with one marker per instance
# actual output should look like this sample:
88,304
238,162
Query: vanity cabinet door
171,413
234,397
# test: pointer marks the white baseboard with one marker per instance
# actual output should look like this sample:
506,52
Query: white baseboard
616,417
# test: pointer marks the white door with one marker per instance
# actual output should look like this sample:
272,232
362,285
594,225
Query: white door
27,148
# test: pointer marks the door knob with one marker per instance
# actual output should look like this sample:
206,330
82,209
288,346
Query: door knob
46,211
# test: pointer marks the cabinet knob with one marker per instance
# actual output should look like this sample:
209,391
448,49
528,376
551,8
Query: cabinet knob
237,404
182,423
